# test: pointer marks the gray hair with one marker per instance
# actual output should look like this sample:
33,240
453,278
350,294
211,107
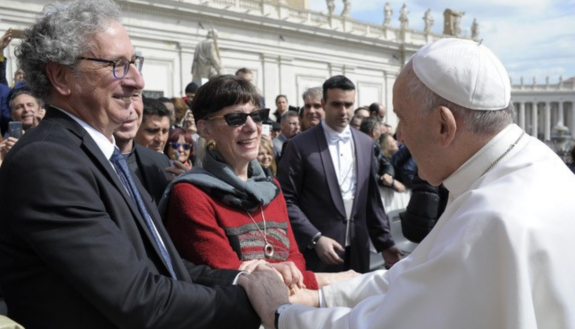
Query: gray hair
289,114
60,36
369,124
478,122
314,92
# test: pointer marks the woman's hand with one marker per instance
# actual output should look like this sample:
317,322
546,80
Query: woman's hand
290,273
251,265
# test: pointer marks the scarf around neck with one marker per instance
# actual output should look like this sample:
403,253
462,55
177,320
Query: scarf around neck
217,179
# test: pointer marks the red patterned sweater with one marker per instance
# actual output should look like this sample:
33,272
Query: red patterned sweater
206,231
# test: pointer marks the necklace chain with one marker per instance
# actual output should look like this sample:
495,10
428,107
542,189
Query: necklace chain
268,248
503,155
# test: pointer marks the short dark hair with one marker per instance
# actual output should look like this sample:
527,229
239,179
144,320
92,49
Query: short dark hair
222,91
164,99
281,96
244,70
154,107
374,108
192,87
337,82
368,125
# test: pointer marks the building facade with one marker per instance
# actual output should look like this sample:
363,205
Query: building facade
543,109
289,49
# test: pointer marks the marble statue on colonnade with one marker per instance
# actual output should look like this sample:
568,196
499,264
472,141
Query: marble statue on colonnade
403,19
452,22
474,29
207,62
346,8
387,12
330,7
428,19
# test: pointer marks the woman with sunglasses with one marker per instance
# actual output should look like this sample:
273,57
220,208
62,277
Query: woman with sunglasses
229,214
180,147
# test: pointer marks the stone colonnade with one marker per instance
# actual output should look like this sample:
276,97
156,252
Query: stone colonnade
538,118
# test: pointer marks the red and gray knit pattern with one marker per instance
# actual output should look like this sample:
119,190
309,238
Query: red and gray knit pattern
208,232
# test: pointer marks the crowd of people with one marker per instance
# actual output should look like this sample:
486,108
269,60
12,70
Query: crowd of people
213,211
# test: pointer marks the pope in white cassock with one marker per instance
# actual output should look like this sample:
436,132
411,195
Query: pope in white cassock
502,255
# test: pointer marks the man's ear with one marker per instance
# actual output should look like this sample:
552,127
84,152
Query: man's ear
57,74
448,126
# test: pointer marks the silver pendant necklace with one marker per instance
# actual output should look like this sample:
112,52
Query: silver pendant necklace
268,248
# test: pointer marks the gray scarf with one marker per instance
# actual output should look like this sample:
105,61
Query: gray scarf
219,181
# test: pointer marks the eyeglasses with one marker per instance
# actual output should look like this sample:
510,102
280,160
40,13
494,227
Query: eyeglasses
238,119
120,67
177,145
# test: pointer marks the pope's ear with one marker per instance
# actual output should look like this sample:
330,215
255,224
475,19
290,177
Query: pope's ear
58,76
448,126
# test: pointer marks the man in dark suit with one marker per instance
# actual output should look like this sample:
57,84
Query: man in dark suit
328,179
153,169
81,242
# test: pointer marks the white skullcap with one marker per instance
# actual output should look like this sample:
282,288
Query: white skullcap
465,73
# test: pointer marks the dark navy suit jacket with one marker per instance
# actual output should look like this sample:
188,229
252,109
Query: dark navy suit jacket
76,253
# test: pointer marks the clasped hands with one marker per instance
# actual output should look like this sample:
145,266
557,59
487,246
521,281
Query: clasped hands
286,271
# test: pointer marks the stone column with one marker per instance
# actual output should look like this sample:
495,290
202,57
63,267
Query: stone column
572,128
547,121
561,118
534,118
271,74
522,115
287,79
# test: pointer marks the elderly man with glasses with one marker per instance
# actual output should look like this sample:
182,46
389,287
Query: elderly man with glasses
82,242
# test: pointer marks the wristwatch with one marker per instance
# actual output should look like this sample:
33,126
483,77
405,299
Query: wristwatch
279,311
314,241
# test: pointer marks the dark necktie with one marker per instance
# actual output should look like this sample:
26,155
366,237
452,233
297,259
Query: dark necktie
123,172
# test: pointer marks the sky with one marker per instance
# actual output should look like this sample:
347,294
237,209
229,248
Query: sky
533,38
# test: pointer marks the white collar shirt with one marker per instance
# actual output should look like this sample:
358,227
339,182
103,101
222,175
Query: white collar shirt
341,149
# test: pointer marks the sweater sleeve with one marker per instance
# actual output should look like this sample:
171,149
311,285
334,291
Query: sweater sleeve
194,229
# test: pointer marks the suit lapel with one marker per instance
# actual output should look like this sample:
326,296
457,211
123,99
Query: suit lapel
329,170
95,153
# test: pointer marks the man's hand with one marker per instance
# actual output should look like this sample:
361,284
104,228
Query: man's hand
266,137
391,256
386,179
6,145
326,250
177,169
266,292
325,279
6,38
305,297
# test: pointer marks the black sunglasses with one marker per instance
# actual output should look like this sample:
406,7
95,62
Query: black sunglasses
237,119
176,145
